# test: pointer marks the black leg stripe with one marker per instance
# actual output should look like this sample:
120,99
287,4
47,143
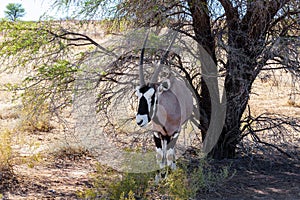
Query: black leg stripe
167,138
165,130
157,141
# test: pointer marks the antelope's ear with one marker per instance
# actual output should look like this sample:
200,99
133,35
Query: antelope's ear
137,91
164,86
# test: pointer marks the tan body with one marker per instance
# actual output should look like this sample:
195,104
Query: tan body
174,107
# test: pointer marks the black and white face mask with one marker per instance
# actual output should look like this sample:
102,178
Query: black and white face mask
146,96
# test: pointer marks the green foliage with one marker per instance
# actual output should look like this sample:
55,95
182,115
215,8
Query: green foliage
205,178
88,9
14,11
183,183
35,113
101,181
177,184
186,182
130,196
110,184
53,84
60,70
113,25
130,184
24,43
36,49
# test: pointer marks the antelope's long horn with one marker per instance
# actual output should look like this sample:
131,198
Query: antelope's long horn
163,59
141,70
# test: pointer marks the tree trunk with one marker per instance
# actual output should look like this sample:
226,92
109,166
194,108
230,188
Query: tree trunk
237,96
238,82
246,39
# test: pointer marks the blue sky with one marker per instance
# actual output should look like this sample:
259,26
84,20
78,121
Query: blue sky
33,8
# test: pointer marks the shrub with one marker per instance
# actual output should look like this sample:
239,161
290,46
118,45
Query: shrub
35,113
6,160
6,154
71,152
205,178
111,184
183,183
131,185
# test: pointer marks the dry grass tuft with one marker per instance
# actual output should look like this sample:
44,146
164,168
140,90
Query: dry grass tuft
71,153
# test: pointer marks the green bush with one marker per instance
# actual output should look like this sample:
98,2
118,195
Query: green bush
6,153
177,184
130,196
183,183
204,178
110,184
35,113
7,160
130,185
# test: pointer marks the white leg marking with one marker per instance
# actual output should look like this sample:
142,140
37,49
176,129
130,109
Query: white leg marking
170,156
160,158
157,178
164,145
156,134
159,154
175,135
173,166
164,151
162,165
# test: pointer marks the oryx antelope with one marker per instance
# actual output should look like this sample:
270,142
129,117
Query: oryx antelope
168,104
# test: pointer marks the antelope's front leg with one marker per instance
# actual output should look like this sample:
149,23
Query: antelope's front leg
161,153
171,151
160,149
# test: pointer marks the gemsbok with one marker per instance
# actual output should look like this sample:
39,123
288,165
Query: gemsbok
168,104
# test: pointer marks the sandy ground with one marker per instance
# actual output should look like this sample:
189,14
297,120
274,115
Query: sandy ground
61,175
